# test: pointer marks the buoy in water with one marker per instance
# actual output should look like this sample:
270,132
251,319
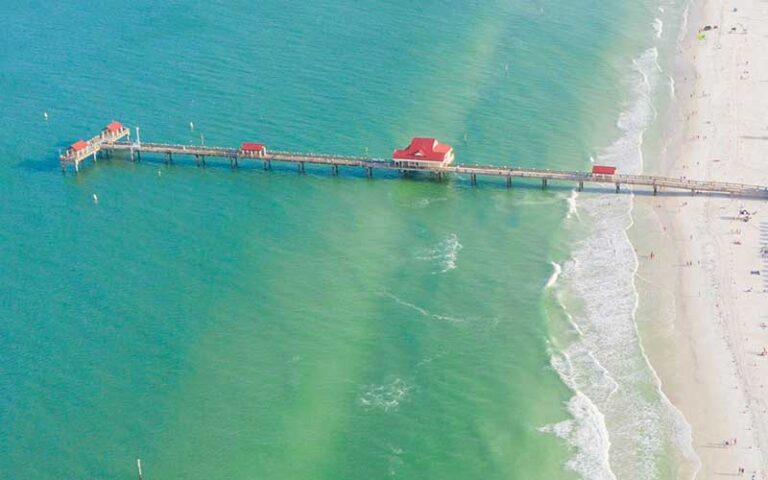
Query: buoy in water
191,125
95,198
45,115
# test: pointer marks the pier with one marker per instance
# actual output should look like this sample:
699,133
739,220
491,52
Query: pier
111,140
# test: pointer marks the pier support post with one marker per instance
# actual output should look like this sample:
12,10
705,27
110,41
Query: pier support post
267,165
334,169
77,166
581,186
133,155
168,158
544,183
472,179
202,160
617,188
197,160
300,167
509,182
439,176
369,172
655,190
138,155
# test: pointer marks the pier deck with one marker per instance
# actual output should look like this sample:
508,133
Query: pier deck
235,156
116,138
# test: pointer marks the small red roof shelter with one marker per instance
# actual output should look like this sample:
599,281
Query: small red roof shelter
79,145
423,149
603,170
114,126
252,147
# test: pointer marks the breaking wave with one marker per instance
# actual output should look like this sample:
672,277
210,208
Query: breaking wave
622,423
555,275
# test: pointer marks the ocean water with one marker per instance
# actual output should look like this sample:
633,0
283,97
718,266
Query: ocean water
243,324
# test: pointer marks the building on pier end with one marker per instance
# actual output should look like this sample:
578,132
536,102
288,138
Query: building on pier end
424,152
253,150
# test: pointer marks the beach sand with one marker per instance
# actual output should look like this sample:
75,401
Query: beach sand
704,292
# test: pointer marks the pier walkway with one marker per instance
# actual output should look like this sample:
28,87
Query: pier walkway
235,156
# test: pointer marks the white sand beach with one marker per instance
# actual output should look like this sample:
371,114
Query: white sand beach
704,291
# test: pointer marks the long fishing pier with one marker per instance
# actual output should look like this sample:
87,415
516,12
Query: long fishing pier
111,140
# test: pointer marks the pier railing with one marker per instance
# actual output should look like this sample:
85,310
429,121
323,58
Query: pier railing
110,144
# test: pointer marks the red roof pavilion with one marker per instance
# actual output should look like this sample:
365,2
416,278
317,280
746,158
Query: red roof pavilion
603,170
252,147
79,145
114,126
425,149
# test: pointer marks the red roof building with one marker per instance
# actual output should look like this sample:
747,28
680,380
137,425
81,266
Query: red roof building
114,127
253,149
424,152
79,145
603,170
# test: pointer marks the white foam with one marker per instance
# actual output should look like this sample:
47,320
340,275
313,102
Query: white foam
683,25
424,312
446,252
672,91
658,27
555,274
622,422
387,396
572,210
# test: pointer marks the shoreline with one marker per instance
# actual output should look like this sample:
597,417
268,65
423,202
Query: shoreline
699,302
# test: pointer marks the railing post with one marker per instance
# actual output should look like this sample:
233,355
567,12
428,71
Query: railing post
544,183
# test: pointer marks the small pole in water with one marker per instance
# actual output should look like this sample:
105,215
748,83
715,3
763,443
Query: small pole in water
138,464
191,125
45,115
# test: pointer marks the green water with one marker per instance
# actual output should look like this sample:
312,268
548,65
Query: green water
246,324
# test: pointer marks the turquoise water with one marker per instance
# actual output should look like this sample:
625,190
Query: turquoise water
245,324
